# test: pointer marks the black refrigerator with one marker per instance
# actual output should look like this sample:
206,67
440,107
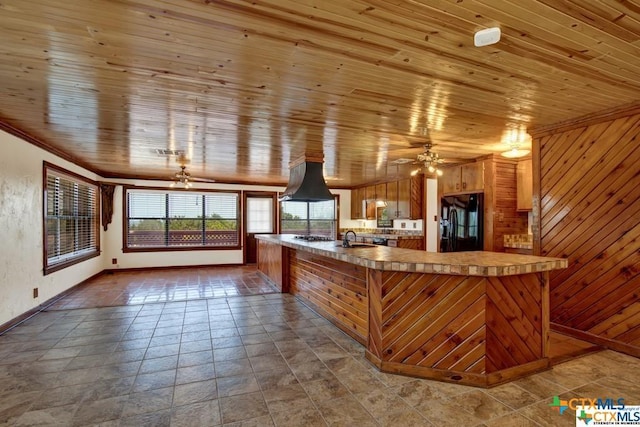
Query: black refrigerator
461,223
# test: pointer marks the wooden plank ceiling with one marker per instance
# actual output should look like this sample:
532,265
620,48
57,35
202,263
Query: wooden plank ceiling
244,87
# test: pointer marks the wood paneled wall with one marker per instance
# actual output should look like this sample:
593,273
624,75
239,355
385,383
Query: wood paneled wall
338,290
589,211
501,203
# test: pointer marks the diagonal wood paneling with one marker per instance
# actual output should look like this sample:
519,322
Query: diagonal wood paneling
515,319
590,213
464,324
446,317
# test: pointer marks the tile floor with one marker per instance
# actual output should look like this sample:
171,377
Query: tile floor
180,284
260,360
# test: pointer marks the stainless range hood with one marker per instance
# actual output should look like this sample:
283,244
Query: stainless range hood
306,182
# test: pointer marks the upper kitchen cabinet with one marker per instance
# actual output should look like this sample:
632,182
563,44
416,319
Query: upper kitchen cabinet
466,178
524,177
392,199
357,202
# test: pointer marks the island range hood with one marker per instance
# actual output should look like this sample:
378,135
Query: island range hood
306,182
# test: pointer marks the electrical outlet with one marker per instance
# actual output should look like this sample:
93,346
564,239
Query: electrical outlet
35,292
415,225
114,261
403,225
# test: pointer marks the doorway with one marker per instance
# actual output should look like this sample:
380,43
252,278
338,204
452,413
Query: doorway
260,209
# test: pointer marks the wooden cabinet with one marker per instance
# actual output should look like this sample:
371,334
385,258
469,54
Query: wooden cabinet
407,243
524,185
357,199
410,203
403,198
381,192
392,199
466,178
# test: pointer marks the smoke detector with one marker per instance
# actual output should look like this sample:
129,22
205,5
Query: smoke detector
486,37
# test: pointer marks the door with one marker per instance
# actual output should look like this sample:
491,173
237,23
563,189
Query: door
259,218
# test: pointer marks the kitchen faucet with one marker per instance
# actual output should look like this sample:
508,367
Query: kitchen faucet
345,240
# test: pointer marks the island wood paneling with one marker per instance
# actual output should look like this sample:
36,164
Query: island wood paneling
589,199
270,263
474,330
338,290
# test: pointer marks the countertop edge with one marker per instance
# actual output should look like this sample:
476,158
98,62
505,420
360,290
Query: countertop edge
364,257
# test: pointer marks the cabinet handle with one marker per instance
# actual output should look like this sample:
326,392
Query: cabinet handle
457,186
464,185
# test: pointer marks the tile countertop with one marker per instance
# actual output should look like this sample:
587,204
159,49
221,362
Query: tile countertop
518,241
386,236
397,259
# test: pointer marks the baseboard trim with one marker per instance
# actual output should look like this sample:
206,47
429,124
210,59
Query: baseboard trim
7,326
168,267
629,349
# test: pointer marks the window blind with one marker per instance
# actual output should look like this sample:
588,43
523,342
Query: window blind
181,219
71,219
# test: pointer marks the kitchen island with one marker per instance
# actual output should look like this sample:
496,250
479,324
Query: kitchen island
475,318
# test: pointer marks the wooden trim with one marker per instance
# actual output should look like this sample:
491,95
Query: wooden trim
598,340
166,267
535,196
10,129
510,374
465,378
545,312
586,120
7,326
258,194
125,218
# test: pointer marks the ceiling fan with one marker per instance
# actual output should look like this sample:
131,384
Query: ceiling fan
429,160
185,178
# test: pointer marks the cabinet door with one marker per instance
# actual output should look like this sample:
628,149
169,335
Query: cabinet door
472,176
357,197
392,199
370,193
524,184
451,180
381,192
404,198
415,203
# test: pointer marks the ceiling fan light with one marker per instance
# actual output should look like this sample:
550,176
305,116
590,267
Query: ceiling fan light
415,172
515,152
431,169
439,172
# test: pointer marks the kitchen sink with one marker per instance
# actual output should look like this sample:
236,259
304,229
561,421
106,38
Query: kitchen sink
359,245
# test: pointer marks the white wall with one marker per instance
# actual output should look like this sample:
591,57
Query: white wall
114,244
431,221
21,230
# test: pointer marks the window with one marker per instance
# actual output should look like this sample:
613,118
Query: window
71,219
172,220
317,218
259,215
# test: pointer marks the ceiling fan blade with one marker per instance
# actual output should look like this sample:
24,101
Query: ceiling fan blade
195,179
